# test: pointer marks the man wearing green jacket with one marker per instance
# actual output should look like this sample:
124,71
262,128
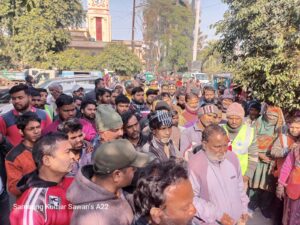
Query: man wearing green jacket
242,140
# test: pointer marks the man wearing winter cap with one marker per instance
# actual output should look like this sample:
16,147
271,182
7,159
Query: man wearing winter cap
96,193
242,140
109,123
192,136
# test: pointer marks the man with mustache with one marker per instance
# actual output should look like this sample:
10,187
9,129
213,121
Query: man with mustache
19,160
217,181
164,196
21,100
242,140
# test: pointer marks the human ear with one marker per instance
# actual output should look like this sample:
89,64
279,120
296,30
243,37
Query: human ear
155,214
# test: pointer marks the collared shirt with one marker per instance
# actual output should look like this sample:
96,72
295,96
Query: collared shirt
190,138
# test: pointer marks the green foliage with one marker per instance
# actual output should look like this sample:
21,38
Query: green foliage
35,28
210,58
260,40
116,57
168,34
119,58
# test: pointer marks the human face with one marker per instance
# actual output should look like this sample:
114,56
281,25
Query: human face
167,100
208,119
122,107
133,129
76,139
216,146
178,208
21,101
193,103
253,114
105,99
181,100
78,103
80,92
150,99
139,97
175,120
209,95
294,129
111,135
55,92
89,111
172,90
100,84
163,134
234,121
44,96
32,131
272,118
165,88
36,101
62,159
113,97
124,177
226,103
66,112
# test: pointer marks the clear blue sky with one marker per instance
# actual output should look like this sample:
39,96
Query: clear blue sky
121,13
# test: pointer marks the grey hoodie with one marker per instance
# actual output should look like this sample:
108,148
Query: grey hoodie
93,205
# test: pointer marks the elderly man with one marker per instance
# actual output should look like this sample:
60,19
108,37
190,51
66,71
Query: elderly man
192,136
217,181
168,193
242,140
55,90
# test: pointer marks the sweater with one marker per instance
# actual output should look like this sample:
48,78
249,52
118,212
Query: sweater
18,163
9,128
94,205
218,187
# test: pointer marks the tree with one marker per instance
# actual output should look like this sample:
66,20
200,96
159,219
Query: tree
35,28
119,58
168,34
260,41
210,58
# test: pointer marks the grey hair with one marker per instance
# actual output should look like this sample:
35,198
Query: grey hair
212,129
56,86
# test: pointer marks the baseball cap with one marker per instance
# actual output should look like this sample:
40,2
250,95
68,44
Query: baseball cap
118,154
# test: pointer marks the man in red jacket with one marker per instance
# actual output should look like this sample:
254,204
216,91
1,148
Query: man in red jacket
44,191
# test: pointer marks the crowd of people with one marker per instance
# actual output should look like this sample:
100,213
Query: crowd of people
165,153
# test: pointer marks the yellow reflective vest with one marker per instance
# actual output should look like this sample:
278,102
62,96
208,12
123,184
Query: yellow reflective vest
241,143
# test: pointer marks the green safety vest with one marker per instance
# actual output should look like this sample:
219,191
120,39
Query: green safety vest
241,143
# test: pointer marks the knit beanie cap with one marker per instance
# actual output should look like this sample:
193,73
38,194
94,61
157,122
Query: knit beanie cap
107,118
235,109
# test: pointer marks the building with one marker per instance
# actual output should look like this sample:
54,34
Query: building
95,33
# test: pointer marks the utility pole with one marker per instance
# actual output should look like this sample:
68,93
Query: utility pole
196,29
133,26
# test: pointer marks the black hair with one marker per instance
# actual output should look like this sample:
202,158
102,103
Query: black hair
71,125
211,129
64,99
102,91
152,185
122,99
126,116
181,93
97,81
151,92
47,145
77,98
87,102
34,92
165,94
137,90
208,88
42,90
19,87
23,120
190,96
